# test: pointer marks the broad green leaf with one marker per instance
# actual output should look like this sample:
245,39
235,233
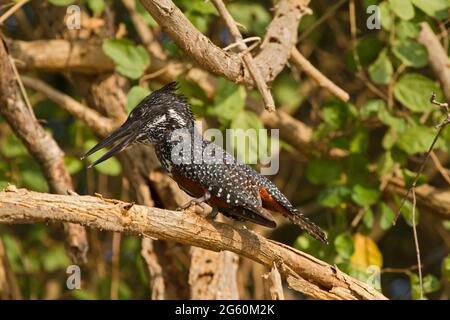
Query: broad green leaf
287,92
356,168
252,15
360,141
371,107
344,245
229,101
365,195
446,267
389,139
407,213
333,196
136,95
368,49
55,258
97,6
200,6
323,171
381,70
385,164
402,8
13,251
34,180
148,19
415,140
366,253
73,164
110,167
409,177
12,146
131,60
434,8
61,2
407,29
338,114
386,15
387,216
430,284
411,53
414,91
367,218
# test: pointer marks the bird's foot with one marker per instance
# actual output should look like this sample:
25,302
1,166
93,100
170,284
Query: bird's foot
195,201
213,214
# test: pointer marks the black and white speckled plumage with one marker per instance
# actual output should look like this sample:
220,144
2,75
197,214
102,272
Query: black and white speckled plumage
235,188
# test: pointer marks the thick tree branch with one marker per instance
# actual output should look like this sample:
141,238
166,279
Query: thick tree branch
61,55
437,57
41,146
280,37
22,206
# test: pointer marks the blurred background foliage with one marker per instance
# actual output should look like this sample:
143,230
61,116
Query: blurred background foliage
385,129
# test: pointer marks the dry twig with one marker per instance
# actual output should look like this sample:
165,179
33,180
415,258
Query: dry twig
246,56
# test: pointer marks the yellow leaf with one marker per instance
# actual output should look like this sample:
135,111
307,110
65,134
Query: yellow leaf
366,253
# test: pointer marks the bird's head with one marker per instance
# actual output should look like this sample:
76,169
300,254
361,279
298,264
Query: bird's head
151,121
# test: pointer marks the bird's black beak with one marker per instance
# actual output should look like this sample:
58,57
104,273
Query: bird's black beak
120,138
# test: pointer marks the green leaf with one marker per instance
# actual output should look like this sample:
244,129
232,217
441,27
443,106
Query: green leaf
130,60
411,53
386,16
402,8
333,196
367,219
323,171
409,177
407,29
97,6
110,167
414,91
356,168
200,6
407,213
371,107
365,195
252,15
338,114
415,140
344,245
34,180
446,267
61,2
387,216
430,284
360,141
136,95
55,258
434,8
148,19
73,164
229,101
287,92
385,164
381,70
12,146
